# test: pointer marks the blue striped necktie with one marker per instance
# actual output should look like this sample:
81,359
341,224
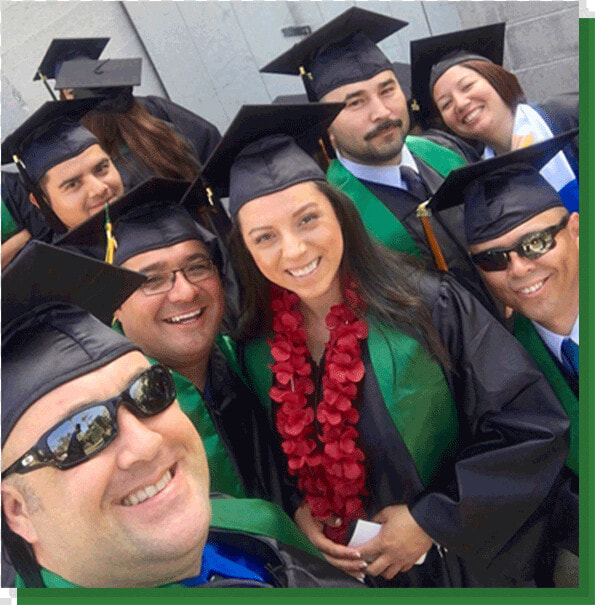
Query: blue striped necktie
414,183
570,357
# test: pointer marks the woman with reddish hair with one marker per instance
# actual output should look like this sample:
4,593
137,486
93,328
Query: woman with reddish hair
470,92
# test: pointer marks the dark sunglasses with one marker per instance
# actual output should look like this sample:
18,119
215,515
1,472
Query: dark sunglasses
93,427
532,246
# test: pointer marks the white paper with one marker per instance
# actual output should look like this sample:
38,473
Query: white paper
366,530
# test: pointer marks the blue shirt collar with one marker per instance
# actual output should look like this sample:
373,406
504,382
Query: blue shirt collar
553,341
215,563
383,175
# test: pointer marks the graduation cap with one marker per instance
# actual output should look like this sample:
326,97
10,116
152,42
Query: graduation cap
503,192
402,72
340,52
265,149
66,49
49,334
432,56
49,338
50,136
151,216
93,77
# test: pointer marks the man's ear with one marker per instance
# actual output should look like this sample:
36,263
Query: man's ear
331,138
33,200
573,225
17,513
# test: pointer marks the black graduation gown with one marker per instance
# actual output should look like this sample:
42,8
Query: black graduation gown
489,506
448,226
494,520
202,135
244,430
561,114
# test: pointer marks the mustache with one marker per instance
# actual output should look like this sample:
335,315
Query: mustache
383,126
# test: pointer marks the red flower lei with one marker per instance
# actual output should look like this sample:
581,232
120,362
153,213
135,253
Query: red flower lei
327,462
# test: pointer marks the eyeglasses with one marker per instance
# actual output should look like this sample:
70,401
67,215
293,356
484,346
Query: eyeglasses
194,272
92,428
532,246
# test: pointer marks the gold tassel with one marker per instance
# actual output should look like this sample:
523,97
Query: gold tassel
112,244
210,195
303,72
424,213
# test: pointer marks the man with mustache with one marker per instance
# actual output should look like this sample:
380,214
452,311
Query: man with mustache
387,174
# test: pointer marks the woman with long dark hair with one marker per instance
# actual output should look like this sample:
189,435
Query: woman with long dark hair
471,94
144,136
397,398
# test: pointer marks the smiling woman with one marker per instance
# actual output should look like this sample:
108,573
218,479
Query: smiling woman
375,376
460,78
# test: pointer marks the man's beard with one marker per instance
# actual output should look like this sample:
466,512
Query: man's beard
378,155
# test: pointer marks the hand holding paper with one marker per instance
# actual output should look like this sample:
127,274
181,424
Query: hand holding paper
398,544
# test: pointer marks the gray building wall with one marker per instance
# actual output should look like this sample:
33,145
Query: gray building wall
206,55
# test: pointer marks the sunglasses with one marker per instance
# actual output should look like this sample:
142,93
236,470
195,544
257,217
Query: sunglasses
532,246
93,427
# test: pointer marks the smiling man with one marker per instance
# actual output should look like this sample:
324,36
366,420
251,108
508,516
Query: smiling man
176,317
526,246
387,173
68,175
129,505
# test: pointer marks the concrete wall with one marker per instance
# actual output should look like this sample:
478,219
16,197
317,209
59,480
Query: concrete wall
206,55
541,42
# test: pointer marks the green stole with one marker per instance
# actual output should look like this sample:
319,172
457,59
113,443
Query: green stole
530,339
379,221
9,225
224,478
413,387
255,517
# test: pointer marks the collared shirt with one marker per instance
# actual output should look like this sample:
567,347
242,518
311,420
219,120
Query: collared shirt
553,341
383,175
217,561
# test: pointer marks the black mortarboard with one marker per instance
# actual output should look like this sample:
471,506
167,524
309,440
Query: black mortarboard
431,57
265,149
340,52
148,217
49,137
504,191
300,99
105,73
402,71
49,336
66,49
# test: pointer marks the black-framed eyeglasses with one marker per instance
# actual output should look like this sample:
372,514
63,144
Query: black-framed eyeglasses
194,272
532,246
93,427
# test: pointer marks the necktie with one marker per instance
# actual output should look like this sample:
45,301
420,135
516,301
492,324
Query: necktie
414,184
570,357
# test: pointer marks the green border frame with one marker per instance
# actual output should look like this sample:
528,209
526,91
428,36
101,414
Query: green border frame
582,595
